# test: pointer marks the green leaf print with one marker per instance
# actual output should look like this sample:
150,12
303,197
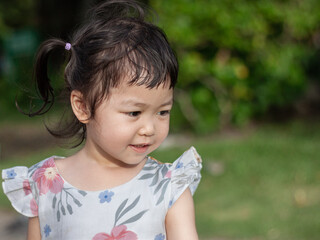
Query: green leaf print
163,192
58,215
119,214
163,184
146,176
134,218
54,201
76,201
63,210
69,209
121,211
83,193
149,168
122,205
164,170
131,206
155,178
160,185
64,205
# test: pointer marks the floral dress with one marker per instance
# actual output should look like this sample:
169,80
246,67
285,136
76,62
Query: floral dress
134,210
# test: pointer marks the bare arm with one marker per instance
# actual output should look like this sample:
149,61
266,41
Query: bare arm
180,219
34,229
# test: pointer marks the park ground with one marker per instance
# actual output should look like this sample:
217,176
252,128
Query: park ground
259,183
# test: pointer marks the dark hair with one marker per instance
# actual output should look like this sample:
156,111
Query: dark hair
116,41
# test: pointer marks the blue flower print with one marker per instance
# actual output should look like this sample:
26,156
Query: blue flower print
170,203
160,237
179,165
106,196
47,230
11,174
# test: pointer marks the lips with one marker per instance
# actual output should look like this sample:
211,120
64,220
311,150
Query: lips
139,148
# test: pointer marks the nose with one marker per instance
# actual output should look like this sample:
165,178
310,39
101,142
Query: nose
147,128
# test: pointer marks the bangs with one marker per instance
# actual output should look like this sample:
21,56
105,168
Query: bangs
146,69
150,59
142,56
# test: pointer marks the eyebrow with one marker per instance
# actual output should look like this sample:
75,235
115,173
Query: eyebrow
140,104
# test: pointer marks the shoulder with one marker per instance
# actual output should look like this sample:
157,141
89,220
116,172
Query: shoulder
189,160
185,172
19,186
20,175
43,167
23,172
153,165
155,172
169,180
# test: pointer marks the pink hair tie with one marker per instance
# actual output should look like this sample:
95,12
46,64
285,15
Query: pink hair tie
68,46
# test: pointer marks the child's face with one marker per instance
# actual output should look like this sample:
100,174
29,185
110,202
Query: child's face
130,124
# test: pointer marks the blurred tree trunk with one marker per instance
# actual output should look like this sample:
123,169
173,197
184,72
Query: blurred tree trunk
58,18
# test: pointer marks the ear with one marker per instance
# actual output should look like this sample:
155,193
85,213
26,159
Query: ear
79,106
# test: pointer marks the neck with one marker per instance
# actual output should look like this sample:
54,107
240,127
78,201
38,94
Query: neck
93,154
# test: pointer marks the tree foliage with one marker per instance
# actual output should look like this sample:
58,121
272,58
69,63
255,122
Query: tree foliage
239,58
15,56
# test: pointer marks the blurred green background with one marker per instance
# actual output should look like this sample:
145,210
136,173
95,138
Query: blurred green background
248,98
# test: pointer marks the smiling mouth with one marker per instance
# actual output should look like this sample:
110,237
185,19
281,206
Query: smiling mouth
140,148
140,145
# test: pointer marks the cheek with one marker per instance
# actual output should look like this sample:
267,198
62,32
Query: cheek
119,129
164,129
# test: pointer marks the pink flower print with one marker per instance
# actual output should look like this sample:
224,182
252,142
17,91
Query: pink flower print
26,187
168,175
48,178
117,233
34,207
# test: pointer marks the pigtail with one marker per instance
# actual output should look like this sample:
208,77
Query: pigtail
42,80
69,126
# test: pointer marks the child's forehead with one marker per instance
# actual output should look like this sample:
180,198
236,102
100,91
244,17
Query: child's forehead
127,94
142,75
125,87
130,78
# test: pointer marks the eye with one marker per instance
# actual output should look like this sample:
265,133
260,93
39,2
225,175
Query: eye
164,113
133,114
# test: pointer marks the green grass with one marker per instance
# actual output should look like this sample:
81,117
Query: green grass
259,184
269,186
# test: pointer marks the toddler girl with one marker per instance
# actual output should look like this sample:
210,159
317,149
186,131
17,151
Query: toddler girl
119,78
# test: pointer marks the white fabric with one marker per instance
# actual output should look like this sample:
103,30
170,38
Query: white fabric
136,209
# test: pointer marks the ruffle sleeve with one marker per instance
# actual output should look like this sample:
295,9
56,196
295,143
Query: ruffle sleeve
185,172
19,189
